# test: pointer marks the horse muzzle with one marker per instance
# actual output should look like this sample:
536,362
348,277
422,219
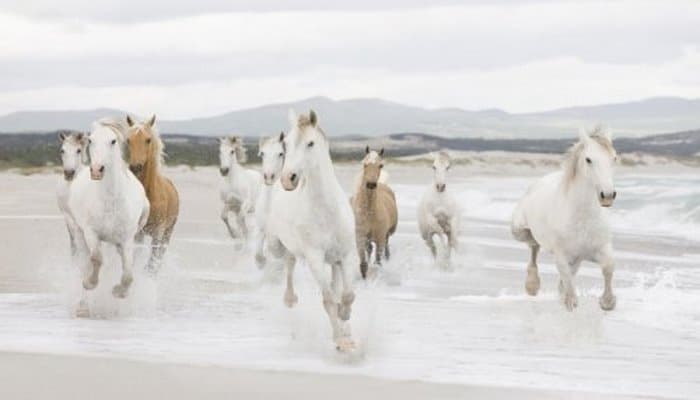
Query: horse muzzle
269,179
371,185
223,171
440,187
606,199
97,173
290,181
136,168
68,174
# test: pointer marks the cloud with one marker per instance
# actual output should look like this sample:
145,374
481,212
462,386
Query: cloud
248,53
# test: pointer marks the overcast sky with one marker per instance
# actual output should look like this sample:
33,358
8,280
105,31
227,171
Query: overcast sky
206,57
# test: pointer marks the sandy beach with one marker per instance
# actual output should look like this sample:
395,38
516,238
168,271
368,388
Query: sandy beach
212,325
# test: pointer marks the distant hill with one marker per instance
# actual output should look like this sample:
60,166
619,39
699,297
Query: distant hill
374,117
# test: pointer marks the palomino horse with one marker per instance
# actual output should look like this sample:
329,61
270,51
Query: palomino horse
73,159
438,212
108,203
376,215
239,191
146,162
563,213
271,152
313,221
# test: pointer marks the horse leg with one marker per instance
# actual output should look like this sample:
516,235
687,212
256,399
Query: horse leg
159,245
126,251
224,217
566,283
387,253
532,282
430,242
95,255
347,297
381,246
260,259
364,247
290,298
607,264
341,329
241,222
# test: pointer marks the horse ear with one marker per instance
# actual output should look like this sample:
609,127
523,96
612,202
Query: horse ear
583,135
129,120
313,118
293,117
367,149
151,121
62,136
381,151
282,136
79,136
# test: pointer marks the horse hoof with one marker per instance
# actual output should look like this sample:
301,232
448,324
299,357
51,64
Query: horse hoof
607,303
345,345
83,311
532,286
120,291
89,283
260,261
290,299
363,270
570,302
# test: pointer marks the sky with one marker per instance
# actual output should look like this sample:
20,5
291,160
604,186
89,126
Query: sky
185,59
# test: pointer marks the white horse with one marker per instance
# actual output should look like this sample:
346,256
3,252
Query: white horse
240,188
314,221
73,159
438,212
271,152
108,203
563,213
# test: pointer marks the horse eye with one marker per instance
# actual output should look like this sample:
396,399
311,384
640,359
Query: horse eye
311,144
114,141
262,154
232,151
281,154
62,151
588,160
78,151
148,141
381,166
447,168
434,167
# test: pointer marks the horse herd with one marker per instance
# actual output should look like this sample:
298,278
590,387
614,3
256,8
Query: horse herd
300,210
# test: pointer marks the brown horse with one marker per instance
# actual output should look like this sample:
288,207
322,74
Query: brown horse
145,161
376,215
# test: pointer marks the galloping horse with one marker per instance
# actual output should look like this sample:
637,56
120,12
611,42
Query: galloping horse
438,213
239,192
271,152
108,203
146,161
374,206
314,221
73,159
563,213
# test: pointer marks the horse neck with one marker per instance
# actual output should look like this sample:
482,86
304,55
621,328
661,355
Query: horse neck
581,196
150,175
113,180
321,183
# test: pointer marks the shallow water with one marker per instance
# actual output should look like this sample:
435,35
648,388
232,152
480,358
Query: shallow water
474,324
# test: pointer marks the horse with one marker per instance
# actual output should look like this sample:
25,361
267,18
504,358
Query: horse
271,152
240,188
73,159
146,162
375,210
564,213
108,203
314,221
438,212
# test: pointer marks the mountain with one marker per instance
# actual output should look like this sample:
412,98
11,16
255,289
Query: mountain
374,117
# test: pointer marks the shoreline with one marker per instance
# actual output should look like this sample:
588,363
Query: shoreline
76,376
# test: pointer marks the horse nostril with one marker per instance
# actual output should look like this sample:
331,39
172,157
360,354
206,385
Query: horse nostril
102,168
602,195
293,177
614,195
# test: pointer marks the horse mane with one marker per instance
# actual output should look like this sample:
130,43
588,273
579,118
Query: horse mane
443,156
305,121
573,154
116,125
239,148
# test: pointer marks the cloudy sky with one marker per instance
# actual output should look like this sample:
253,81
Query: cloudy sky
205,57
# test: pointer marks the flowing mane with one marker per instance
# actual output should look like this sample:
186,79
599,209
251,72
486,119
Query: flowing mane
116,125
571,159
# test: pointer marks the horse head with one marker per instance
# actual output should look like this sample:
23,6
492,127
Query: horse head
145,145
593,159
271,152
73,152
306,148
372,166
441,164
104,147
